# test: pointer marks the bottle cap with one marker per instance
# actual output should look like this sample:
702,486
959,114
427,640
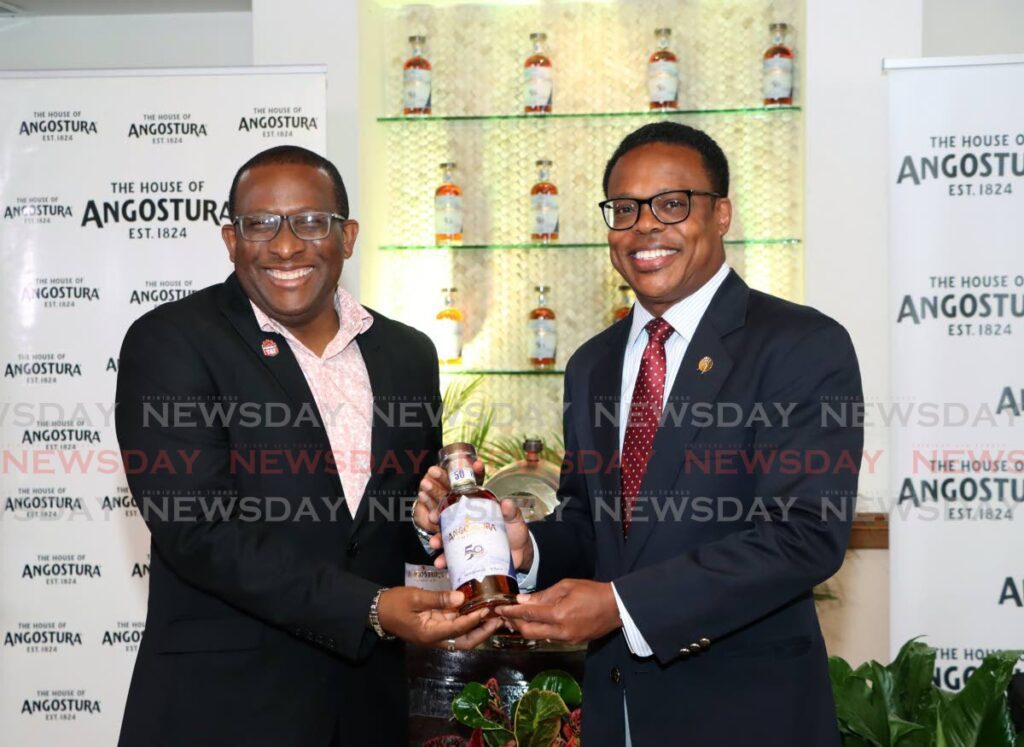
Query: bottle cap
448,165
544,162
418,39
663,32
624,287
448,290
533,445
538,36
780,27
542,288
459,448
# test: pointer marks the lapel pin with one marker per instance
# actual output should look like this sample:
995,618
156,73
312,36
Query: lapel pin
269,348
705,364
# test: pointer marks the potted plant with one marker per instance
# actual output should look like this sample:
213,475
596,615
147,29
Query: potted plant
899,706
547,715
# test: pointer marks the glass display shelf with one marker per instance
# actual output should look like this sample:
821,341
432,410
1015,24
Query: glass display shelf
655,114
552,245
454,371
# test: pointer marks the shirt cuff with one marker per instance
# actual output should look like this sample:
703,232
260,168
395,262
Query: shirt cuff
528,581
634,638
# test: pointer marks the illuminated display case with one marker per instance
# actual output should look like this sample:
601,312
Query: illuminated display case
599,52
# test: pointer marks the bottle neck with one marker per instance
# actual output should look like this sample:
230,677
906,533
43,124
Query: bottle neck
538,47
542,298
543,174
417,50
446,176
449,299
460,474
663,42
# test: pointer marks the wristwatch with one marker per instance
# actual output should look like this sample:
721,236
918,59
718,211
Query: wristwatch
375,618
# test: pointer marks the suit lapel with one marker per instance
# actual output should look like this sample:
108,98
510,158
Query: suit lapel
725,314
379,369
604,412
281,364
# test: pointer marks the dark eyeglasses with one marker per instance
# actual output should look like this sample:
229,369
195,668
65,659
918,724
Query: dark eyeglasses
668,207
308,226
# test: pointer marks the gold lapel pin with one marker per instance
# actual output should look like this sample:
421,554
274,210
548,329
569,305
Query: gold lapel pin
705,364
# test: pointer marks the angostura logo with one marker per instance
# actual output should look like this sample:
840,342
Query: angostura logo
42,368
60,704
156,127
57,125
156,292
41,637
277,120
42,500
36,210
61,569
124,633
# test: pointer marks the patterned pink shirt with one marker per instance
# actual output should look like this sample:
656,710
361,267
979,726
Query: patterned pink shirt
341,389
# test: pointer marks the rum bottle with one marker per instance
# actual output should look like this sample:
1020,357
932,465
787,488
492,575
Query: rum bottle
543,332
544,202
473,533
416,80
448,208
777,69
663,74
624,303
537,77
448,330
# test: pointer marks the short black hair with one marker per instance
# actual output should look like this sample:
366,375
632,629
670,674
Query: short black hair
293,155
715,163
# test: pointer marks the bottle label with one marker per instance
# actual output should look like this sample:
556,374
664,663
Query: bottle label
777,78
545,213
448,339
662,81
539,84
475,543
448,214
543,338
416,88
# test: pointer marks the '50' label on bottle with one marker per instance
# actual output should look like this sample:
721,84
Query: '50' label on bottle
475,542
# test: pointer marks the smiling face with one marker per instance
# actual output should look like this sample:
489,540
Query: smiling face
665,263
290,279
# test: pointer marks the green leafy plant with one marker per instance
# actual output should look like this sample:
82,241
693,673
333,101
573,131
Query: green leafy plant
547,715
899,706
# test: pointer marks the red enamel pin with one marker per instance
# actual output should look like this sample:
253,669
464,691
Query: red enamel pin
270,348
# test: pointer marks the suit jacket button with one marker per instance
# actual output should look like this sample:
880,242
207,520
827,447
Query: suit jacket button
616,675
685,652
695,648
704,642
352,549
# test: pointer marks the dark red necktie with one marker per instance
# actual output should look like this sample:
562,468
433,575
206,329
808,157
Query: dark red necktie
644,414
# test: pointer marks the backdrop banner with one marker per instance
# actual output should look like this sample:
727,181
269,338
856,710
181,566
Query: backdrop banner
113,188
956,222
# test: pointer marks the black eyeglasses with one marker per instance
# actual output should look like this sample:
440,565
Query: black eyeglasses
308,226
668,207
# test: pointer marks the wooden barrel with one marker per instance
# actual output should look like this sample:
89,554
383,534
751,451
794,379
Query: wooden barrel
436,676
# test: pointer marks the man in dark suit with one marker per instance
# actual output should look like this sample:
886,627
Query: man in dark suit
687,557
245,413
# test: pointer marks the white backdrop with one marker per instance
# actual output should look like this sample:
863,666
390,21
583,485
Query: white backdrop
956,227
113,185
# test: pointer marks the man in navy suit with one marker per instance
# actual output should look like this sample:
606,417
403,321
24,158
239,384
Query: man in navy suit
724,493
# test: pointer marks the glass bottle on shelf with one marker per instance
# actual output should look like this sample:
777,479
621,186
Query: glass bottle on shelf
623,304
473,534
537,77
543,332
416,82
663,73
448,209
777,69
448,330
544,203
